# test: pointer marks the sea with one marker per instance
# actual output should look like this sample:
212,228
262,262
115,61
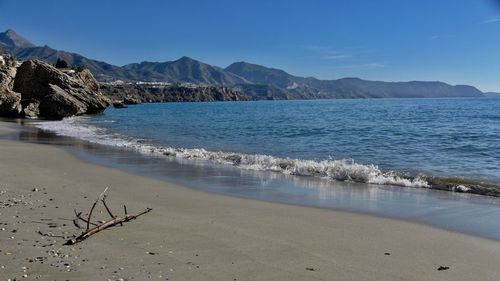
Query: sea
374,156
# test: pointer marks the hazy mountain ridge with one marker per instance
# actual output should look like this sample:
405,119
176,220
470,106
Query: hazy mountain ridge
184,69
349,87
256,81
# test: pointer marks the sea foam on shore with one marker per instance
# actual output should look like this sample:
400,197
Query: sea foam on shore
343,170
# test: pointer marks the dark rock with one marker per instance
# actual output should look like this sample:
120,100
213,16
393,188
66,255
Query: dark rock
59,104
33,79
234,158
131,100
59,94
441,268
171,93
119,104
7,75
10,104
10,101
31,109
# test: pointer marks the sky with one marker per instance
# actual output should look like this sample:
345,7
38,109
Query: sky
455,41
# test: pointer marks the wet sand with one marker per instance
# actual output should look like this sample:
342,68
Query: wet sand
195,235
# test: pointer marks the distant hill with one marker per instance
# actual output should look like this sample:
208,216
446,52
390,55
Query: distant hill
255,81
349,87
262,75
184,69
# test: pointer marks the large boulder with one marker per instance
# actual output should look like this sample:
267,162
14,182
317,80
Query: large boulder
57,94
10,101
88,80
7,75
59,103
10,104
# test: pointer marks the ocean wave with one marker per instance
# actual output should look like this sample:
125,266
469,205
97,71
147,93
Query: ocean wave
342,170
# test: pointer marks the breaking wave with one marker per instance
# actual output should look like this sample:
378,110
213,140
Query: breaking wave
342,170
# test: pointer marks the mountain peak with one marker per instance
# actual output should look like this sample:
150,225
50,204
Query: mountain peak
186,59
13,40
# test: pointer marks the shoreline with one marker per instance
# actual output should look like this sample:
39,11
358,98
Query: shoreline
196,235
340,170
463,212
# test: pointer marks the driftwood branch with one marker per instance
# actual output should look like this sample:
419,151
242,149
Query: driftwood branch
79,218
93,206
103,200
101,226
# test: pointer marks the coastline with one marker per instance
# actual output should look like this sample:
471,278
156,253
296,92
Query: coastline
195,235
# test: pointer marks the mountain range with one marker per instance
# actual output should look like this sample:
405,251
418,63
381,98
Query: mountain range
259,82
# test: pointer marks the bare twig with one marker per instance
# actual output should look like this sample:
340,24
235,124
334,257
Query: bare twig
90,214
77,219
85,220
105,224
93,206
106,206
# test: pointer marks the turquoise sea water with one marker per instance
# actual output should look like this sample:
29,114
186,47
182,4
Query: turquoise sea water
442,137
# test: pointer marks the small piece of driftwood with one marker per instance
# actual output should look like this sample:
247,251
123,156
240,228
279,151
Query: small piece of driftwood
97,227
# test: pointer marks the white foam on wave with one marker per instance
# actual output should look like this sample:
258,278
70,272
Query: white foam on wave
75,127
461,188
343,170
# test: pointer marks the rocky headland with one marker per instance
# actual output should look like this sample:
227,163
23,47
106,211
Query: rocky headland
36,89
139,93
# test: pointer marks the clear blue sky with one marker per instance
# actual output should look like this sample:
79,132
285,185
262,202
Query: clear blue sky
399,40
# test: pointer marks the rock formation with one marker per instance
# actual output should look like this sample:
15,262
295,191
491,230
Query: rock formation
171,93
10,101
131,100
39,90
119,104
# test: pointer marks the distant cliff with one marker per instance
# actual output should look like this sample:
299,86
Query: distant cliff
171,93
253,92
254,81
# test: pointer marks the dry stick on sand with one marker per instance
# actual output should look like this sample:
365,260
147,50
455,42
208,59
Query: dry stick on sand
98,227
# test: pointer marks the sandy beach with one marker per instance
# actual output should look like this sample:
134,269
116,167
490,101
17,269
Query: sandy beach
194,235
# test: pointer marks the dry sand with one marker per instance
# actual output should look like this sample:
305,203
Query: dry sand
194,235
